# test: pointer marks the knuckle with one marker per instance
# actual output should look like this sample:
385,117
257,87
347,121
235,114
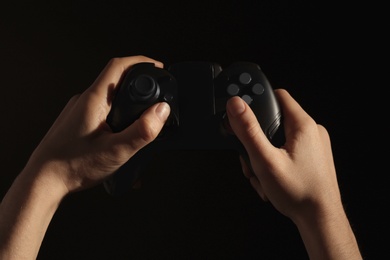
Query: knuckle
74,98
113,61
323,133
146,129
252,129
139,57
118,153
307,125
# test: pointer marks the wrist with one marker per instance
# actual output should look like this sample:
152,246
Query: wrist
327,233
45,178
26,211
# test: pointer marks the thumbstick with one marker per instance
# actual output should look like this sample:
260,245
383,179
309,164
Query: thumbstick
144,88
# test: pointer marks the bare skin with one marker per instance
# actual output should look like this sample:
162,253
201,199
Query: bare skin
299,179
80,151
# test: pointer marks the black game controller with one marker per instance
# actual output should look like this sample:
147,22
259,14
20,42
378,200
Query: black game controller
197,93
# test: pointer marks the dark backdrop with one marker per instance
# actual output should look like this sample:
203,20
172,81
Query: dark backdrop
197,204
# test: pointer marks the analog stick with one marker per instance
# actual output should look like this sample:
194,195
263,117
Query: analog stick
144,88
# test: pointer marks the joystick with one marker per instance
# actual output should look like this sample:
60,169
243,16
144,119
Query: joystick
197,93
143,86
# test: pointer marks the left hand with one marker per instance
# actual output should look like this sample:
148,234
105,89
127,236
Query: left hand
80,149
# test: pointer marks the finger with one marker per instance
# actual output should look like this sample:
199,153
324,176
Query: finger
294,115
143,131
254,181
113,71
245,168
256,184
246,127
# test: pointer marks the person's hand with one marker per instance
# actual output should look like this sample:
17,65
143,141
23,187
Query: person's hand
299,179
80,150
301,173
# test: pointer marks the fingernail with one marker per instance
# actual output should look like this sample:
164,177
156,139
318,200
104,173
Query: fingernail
162,111
235,106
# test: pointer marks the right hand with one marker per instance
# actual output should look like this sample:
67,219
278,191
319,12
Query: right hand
298,177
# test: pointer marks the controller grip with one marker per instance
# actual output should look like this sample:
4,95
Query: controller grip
127,175
142,86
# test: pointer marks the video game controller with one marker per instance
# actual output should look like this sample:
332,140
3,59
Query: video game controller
197,93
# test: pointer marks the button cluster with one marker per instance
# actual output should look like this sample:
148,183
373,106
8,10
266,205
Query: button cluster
245,82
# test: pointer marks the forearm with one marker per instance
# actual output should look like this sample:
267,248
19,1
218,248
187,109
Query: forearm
329,236
25,213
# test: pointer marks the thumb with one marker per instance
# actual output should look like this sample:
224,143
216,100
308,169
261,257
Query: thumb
144,130
247,129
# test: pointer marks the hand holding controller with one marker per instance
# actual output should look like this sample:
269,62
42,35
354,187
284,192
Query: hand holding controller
143,86
197,93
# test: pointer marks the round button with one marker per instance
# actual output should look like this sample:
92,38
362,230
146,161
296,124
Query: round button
233,89
245,78
258,89
248,99
144,86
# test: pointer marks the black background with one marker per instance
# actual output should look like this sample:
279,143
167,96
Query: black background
198,205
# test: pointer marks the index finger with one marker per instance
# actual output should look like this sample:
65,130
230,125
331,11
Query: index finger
246,127
113,71
294,115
